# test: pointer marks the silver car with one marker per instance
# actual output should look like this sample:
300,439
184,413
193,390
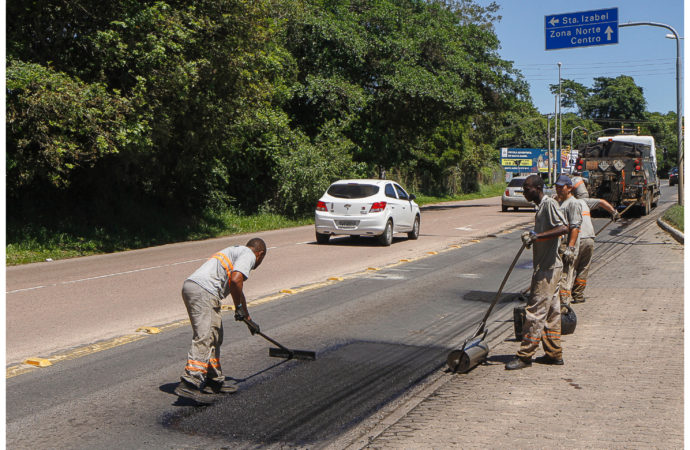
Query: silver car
513,197
366,208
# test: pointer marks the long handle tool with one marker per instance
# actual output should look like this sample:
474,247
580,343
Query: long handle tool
611,221
475,350
284,352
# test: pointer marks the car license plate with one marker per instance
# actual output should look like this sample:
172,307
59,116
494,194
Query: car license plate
517,193
347,223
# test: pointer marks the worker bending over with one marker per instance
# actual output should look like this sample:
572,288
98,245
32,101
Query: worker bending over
222,274
543,312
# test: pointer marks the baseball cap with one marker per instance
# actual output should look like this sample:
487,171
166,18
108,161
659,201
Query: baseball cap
564,180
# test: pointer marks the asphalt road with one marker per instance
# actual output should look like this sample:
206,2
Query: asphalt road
52,306
377,335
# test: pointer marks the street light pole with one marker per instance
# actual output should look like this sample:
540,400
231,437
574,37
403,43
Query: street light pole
560,117
571,135
679,101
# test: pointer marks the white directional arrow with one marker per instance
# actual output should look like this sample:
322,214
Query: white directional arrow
554,21
608,33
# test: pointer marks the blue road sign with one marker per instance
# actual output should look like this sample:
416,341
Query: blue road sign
581,29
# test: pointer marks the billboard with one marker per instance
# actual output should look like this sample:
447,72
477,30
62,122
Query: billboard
525,160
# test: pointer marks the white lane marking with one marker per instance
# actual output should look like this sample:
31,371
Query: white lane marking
302,243
27,289
107,275
469,275
467,228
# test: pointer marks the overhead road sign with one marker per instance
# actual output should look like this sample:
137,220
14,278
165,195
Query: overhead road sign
581,29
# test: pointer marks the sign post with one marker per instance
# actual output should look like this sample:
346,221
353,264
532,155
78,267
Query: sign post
581,29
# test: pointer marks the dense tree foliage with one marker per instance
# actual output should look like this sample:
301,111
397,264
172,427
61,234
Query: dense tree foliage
216,104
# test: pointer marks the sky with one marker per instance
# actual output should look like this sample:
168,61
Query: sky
643,52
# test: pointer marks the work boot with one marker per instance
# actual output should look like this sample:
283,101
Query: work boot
546,359
578,300
188,390
214,387
518,363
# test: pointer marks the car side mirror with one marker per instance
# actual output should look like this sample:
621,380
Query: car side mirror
412,197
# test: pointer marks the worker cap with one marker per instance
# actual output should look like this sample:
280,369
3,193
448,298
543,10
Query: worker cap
564,180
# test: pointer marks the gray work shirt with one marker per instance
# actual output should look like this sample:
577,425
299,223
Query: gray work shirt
572,211
587,227
212,275
579,187
545,252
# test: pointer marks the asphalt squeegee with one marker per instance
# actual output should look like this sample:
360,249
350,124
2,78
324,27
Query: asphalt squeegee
475,349
284,352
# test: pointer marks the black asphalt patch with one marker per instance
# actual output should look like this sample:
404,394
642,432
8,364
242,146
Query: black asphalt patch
314,401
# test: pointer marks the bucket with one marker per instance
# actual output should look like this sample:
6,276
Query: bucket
568,321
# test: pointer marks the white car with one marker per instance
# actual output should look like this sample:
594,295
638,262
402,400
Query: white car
366,208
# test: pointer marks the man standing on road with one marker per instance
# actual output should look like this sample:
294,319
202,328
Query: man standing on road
572,211
581,193
543,310
224,273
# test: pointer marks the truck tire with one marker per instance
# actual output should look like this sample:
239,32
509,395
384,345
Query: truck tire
647,205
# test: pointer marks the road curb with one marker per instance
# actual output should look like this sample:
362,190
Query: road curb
675,234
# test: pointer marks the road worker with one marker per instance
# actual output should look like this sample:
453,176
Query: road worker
580,192
221,275
572,211
543,312
578,279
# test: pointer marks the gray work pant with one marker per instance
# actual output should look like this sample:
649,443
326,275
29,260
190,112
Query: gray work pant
581,269
203,359
567,276
543,316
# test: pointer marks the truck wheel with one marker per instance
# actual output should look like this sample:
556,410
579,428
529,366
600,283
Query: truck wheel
647,206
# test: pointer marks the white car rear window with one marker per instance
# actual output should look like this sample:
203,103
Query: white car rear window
352,190
516,182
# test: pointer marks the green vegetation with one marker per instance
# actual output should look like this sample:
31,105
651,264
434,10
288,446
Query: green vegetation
674,217
34,243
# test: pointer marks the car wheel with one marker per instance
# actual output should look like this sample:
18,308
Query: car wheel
414,234
322,238
515,208
386,238
504,208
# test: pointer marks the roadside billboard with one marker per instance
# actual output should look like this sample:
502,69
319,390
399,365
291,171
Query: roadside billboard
525,160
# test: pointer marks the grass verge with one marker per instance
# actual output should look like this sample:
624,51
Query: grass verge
674,217
69,238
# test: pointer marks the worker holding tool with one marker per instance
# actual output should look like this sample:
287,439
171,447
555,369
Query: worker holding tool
543,312
222,274
570,245
577,280
581,193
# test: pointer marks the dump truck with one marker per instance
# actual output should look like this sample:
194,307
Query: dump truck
621,171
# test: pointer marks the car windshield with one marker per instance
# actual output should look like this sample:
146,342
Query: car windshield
352,190
516,182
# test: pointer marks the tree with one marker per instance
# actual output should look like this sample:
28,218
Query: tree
615,99
573,94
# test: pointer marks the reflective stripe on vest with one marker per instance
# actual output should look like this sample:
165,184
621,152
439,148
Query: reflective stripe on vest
225,262
578,183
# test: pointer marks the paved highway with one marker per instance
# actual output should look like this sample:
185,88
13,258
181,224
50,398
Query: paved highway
377,334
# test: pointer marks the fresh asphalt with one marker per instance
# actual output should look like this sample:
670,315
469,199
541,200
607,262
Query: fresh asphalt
376,336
